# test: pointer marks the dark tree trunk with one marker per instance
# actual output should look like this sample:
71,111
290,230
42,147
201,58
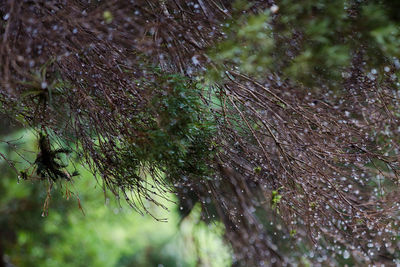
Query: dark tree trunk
2,260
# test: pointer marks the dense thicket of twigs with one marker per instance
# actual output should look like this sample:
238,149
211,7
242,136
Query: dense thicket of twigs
313,165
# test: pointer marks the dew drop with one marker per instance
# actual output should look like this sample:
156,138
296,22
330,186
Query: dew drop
346,254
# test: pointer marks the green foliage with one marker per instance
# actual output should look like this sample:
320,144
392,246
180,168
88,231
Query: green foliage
257,169
108,16
293,232
381,32
106,235
178,132
248,44
311,42
318,51
275,200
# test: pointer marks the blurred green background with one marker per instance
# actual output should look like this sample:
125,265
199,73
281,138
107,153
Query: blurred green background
103,234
